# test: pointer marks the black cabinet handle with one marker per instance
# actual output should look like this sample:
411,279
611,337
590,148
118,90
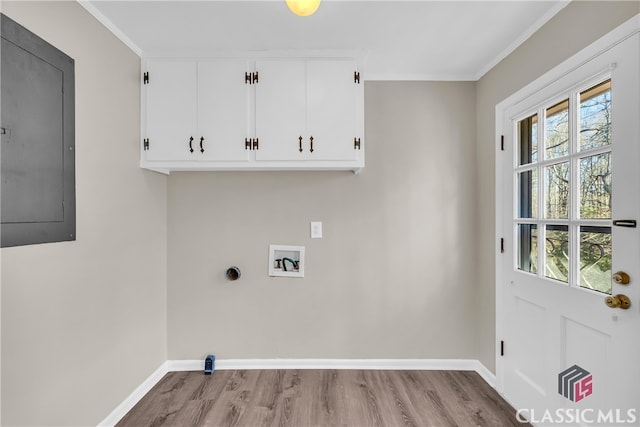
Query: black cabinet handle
190,147
300,143
311,143
201,142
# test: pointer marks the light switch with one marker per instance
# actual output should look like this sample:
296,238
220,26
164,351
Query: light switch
316,230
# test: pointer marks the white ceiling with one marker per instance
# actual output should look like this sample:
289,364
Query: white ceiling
422,40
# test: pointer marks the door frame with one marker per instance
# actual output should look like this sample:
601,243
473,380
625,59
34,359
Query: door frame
606,42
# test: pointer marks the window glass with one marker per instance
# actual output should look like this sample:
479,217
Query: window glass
557,252
595,116
556,130
595,258
556,184
595,186
528,139
528,247
528,194
563,198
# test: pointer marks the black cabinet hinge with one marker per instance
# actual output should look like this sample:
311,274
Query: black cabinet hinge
501,142
251,78
356,143
356,77
502,245
145,78
145,144
501,348
251,144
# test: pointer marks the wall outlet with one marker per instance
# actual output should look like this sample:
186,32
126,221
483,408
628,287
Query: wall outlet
316,230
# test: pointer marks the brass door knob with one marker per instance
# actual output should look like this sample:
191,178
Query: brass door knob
621,278
618,301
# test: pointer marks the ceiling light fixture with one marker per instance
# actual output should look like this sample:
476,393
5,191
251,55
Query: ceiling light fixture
303,7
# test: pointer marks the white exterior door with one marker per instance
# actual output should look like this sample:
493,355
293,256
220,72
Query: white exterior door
569,171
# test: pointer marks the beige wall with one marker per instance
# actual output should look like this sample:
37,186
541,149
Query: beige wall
84,322
393,276
572,29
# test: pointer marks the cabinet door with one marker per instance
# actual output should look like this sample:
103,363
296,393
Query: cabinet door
222,111
171,110
280,109
332,115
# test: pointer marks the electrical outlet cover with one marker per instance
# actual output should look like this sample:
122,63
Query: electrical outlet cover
316,230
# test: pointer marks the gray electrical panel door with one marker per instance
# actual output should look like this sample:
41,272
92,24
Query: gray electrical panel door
37,140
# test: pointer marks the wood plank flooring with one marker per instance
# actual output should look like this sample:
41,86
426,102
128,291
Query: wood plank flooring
254,398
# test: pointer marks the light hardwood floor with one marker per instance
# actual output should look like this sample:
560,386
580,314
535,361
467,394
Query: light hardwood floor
300,398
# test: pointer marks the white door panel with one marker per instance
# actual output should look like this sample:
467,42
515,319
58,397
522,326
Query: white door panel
171,110
280,109
331,109
223,103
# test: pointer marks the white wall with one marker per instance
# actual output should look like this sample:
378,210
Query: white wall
84,322
393,276
572,29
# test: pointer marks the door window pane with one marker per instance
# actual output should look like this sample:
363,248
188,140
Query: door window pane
528,247
528,139
595,116
563,193
595,258
556,184
556,130
528,194
595,186
557,252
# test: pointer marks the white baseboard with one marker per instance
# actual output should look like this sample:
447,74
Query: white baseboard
485,373
121,410
386,364
231,364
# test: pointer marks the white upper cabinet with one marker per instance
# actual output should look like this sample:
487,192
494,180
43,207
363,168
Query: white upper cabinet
195,112
307,111
272,114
